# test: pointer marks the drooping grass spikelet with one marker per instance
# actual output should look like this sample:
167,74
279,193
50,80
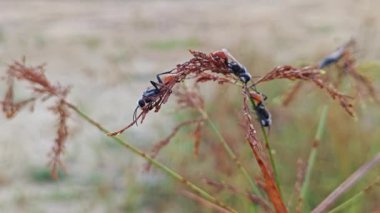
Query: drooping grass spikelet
312,74
42,89
363,84
197,137
346,66
290,96
164,142
9,106
201,67
60,109
189,98
36,77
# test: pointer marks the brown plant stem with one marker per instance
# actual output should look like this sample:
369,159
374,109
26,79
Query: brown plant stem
204,202
347,184
230,152
154,162
292,93
268,148
270,185
164,142
357,196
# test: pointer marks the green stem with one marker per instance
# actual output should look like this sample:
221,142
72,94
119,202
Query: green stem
313,154
154,162
355,198
269,150
348,184
349,202
267,144
230,152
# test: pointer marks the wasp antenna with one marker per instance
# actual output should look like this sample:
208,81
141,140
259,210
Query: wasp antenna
112,134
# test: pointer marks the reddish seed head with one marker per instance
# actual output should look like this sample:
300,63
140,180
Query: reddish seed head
220,55
43,89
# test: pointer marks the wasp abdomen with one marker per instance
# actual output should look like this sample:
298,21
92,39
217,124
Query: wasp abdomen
239,71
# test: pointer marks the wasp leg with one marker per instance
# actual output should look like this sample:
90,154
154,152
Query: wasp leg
253,86
163,73
156,85
264,96
160,82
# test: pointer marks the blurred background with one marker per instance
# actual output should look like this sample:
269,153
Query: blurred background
108,52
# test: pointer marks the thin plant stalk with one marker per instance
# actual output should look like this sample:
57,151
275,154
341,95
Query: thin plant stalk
347,184
154,162
204,202
269,150
230,152
356,197
313,154
267,144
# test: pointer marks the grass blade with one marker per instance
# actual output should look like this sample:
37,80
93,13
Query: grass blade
154,162
347,184
204,202
356,197
230,152
270,182
313,155
269,150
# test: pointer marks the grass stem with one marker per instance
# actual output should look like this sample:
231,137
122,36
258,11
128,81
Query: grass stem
154,162
313,154
230,152
269,150
347,184
356,197
267,144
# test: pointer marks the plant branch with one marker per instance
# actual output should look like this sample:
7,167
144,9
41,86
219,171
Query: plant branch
154,162
356,197
347,184
230,152
269,150
313,155
204,202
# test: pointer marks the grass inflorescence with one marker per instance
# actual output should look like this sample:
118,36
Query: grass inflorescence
264,192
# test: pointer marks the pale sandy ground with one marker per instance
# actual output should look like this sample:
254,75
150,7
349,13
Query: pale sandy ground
108,52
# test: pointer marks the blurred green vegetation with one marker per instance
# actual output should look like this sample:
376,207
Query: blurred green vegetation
346,144
43,174
118,40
